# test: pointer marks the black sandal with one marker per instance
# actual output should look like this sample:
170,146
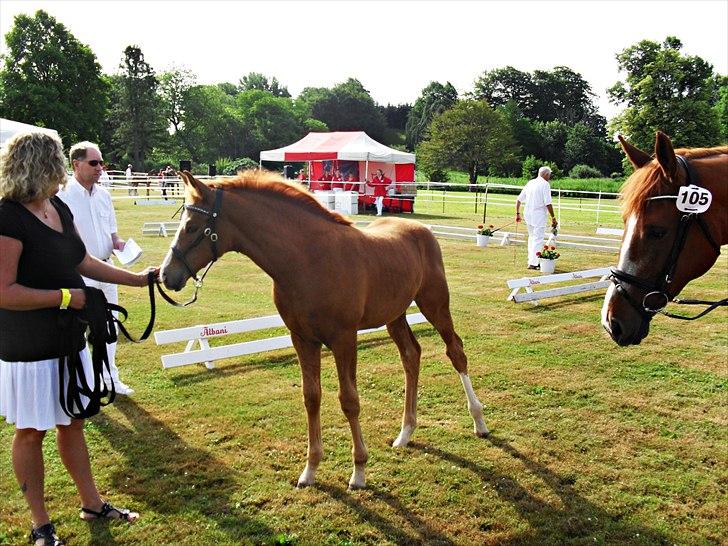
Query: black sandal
106,513
46,533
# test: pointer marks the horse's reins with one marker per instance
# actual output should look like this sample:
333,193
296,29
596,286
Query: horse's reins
210,232
658,290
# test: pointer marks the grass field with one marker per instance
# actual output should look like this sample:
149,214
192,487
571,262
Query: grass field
590,443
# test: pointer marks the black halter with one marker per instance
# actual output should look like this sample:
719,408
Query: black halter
181,255
657,294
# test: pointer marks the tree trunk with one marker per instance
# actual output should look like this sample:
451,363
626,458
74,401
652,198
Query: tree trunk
473,176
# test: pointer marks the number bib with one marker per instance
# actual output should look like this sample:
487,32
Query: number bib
694,199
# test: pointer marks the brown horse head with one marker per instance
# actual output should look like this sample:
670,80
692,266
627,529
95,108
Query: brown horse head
652,227
197,242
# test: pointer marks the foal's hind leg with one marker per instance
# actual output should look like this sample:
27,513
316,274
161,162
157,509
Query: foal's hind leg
344,349
309,357
409,353
433,301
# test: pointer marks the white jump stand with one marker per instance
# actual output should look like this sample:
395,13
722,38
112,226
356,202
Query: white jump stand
346,202
528,284
326,198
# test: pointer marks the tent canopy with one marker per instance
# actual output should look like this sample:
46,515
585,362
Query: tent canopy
8,128
342,145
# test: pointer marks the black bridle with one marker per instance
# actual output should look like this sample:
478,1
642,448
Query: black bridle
657,294
181,255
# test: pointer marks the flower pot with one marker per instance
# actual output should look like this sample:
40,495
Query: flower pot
547,266
482,240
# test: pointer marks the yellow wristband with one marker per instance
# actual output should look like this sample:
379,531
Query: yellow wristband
65,298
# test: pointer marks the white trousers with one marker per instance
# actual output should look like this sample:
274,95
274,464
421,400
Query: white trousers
535,241
379,202
111,291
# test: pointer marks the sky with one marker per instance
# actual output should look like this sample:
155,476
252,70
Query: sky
394,48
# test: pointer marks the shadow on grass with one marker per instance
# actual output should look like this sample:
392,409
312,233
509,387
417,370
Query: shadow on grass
545,306
166,474
392,530
577,521
251,364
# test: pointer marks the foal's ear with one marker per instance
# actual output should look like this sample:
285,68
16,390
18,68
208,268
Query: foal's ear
665,155
194,187
637,157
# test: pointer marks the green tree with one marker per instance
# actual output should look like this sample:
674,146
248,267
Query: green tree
470,136
557,95
256,80
527,137
434,100
553,137
212,126
347,106
51,79
665,90
273,121
396,116
502,85
721,107
138,110
173,85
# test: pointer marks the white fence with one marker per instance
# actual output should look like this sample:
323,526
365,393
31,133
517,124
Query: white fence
201,334
527,284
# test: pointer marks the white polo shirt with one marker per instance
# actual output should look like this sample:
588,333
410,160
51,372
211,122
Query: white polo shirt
93,214
536,194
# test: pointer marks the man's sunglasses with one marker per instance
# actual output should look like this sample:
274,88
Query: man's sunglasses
94,162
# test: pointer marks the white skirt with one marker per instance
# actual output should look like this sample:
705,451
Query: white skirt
29,392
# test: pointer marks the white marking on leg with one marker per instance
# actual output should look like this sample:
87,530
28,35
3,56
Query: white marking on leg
474,406
622,265
308,476
404,436
357,480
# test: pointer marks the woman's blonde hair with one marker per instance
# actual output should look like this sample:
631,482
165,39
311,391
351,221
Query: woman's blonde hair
32,166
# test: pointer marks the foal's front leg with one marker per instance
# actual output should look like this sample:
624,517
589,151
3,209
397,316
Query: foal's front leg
309,357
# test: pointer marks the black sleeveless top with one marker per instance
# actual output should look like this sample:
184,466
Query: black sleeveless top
48,261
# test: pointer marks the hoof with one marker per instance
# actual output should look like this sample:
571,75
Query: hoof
481,430
400,442
404,437
357,480
301,484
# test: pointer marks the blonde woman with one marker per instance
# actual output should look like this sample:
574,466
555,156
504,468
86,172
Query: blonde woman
43,259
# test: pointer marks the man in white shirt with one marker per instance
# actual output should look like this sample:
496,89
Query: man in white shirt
537,195
93,214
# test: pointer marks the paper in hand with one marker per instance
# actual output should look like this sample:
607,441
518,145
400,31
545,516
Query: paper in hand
131,253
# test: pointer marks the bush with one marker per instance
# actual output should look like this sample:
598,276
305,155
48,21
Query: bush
437,175
532,164
584,171
231,167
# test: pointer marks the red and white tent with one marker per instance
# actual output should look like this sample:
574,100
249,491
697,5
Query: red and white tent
347,146
343,145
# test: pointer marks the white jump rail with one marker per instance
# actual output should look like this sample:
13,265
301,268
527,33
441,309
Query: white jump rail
528,284
609,231
512,237
162,229
201,335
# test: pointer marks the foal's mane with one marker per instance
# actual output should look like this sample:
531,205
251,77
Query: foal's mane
649,181
267,182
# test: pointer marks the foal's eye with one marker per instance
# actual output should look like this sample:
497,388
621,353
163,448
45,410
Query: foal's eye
191,228
656,232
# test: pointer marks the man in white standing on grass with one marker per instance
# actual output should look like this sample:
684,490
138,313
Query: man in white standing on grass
537,195
93,214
